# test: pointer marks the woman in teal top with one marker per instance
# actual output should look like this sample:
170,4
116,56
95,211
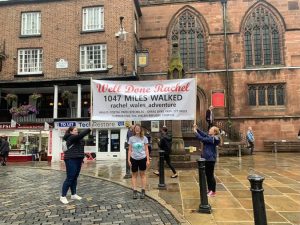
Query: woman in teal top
138,158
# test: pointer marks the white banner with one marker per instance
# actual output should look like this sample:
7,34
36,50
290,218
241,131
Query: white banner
144,100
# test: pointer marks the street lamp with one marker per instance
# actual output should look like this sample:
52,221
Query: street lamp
121,34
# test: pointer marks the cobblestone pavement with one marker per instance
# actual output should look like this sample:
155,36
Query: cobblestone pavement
31,196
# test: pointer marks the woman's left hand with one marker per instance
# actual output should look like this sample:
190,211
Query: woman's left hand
148,163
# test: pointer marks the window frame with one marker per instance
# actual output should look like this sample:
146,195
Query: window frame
39,61
103,46
279,91
188,46
274,49
38,22
85,18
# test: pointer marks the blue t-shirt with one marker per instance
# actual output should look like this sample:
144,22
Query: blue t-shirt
138,147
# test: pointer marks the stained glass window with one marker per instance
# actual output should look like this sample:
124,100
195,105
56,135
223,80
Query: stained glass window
188,32
275,94
280,94
252,95
262,39
261,95
271,95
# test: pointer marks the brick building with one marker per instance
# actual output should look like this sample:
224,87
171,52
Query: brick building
49,50
259,74
52,42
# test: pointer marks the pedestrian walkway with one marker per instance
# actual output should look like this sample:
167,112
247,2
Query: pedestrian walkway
31,196
233,203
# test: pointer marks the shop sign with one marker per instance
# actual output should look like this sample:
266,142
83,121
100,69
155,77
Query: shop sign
22,126
83,124
66,124
5,126
113,124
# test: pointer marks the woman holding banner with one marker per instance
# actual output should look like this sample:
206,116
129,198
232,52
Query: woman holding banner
210,141
138,159
73,158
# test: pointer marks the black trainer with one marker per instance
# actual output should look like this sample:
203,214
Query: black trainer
135,196
142,196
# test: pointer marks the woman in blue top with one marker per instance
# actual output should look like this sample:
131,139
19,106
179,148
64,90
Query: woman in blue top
138,158
209,153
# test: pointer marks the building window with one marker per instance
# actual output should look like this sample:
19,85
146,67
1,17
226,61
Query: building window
262,38
252,95
31,23
30,61
93,57
93,18
266,94
188,32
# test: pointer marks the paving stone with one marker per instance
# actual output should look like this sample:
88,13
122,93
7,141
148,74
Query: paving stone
30,196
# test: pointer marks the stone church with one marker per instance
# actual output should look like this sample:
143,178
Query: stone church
244,54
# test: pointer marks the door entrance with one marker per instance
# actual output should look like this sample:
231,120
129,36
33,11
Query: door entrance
108,144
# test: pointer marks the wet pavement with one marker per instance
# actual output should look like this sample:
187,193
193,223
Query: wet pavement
231,206
30,196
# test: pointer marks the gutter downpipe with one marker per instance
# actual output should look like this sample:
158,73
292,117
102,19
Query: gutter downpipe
224,7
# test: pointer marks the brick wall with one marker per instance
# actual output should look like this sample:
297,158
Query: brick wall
157,19
61,35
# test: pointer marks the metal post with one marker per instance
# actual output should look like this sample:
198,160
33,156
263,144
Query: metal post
161,170
275,147
204,207
128,174
258,202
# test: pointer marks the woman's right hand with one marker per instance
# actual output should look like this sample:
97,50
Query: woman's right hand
195,128
129,163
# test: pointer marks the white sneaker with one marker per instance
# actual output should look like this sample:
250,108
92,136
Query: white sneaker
64,200
76,197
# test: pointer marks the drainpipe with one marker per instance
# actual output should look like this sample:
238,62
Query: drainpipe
228,100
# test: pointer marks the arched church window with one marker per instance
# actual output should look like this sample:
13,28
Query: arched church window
262,38
252,95
280,94
189,34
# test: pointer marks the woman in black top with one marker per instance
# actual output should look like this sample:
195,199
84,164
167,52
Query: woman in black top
73,158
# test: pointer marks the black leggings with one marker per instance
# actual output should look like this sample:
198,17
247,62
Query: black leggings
168,161
210,178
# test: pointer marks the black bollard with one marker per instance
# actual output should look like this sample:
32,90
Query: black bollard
204,207
161,170
128,174
258,202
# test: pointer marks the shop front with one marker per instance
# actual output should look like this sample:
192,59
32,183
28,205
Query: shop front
105,142
27,142
111,138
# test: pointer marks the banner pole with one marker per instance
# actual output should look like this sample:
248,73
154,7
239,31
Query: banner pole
91,103
195,119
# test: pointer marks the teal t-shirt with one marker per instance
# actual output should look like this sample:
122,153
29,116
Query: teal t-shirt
138,147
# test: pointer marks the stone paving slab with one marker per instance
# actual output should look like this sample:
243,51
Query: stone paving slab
30,196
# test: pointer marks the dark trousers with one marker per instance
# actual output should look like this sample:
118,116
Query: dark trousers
168,161
209,125
73,167
251,146
210,178
4,157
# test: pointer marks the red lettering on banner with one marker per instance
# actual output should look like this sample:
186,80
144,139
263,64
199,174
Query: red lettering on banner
176,88
106,88
133,89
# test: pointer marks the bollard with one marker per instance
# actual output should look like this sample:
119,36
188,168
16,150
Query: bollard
258,202
161,170
128,174
204,207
